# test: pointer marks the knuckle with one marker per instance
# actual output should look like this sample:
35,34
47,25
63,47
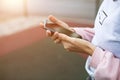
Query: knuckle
54,37
67,48
56,41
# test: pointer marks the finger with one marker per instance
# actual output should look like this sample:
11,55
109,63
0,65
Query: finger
41,25
48,33
59,22
66,45
64,37
55,36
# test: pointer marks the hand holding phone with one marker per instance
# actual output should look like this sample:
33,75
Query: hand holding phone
57,28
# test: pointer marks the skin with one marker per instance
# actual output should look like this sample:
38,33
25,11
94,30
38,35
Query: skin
69,43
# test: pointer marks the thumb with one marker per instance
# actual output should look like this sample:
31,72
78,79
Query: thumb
64,37
60,23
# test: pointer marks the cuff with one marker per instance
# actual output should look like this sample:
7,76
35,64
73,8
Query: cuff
97,57
79,31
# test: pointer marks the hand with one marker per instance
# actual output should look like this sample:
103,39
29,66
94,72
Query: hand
75,44
56,23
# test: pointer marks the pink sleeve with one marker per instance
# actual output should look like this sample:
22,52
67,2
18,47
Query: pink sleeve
107,66
86,33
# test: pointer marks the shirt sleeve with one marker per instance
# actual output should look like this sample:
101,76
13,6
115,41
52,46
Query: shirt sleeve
86,33
106,65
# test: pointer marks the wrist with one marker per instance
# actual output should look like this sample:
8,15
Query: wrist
90,49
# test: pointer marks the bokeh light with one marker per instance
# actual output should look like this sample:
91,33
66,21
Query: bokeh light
12,5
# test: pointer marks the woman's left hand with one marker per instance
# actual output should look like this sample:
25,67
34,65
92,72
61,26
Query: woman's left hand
74,44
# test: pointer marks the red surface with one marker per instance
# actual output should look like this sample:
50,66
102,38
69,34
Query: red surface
20,39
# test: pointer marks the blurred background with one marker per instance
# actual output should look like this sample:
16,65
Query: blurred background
26,53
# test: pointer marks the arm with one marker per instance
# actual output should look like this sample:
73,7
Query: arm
107,66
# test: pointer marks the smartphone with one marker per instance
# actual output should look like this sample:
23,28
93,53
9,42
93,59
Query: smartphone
56,28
